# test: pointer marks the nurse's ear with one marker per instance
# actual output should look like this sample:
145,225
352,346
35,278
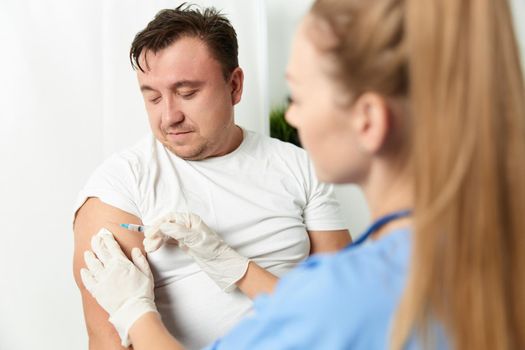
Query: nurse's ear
370,122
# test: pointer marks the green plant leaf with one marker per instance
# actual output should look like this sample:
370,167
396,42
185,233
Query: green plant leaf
280,129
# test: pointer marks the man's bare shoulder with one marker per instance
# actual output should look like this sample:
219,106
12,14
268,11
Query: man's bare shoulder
95,214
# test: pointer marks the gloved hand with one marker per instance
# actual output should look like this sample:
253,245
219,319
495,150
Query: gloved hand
216,258
123,288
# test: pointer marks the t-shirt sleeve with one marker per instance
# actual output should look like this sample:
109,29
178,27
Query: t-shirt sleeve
114,182
322,211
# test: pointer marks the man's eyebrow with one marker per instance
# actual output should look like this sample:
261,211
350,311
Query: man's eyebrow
176,85
144,88
188,83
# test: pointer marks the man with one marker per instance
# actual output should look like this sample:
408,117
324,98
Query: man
259,194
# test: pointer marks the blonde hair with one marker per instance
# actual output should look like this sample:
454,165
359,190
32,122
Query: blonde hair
457,63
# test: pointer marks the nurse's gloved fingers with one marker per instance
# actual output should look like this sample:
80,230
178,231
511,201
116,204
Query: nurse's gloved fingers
175,230
89,281
153,243
190,220
176,218
112,246
194,219
93,264
152,232
99,247
179,218
171,217
140,262
152,229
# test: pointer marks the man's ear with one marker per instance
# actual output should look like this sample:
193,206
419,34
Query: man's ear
371,122
236,83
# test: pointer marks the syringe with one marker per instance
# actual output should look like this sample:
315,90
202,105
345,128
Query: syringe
134,227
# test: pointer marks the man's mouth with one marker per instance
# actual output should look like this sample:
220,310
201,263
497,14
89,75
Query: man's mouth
178,136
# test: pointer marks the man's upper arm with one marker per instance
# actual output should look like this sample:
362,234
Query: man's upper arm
328,241
90,218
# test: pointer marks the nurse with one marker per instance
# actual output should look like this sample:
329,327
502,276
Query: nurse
422,104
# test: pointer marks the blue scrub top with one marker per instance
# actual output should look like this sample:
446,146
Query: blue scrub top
345,300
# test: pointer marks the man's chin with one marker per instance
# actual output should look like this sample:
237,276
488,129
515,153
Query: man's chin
187,152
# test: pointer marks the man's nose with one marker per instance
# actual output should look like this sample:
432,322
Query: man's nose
172,113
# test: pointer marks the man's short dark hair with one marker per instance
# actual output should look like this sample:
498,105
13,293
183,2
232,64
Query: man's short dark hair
209,25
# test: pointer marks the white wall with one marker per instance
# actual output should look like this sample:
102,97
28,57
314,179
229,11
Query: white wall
518,7
283,17
69,98
50,113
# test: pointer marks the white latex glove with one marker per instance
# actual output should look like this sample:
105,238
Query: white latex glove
216,258
123,288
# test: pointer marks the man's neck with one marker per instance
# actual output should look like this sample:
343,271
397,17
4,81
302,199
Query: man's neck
236,136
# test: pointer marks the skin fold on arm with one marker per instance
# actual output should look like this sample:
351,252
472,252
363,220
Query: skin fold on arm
90,218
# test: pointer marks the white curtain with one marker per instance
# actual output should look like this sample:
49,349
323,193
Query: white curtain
68,99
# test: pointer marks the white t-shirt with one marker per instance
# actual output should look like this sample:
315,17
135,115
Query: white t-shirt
261,198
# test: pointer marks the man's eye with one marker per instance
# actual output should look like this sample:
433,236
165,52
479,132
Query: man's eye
187,94
155,100
289,100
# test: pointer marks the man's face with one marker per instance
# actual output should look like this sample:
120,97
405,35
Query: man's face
188,100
